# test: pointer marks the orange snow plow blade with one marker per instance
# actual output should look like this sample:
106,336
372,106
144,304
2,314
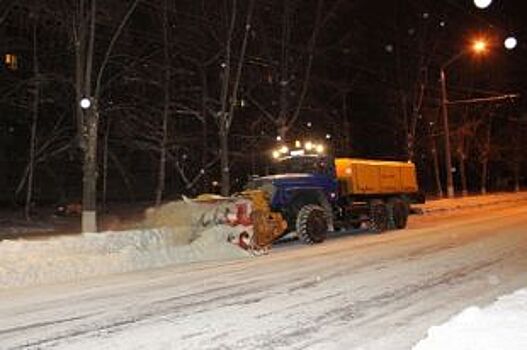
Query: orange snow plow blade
251,209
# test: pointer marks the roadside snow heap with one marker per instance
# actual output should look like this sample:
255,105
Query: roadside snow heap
178,232
502,325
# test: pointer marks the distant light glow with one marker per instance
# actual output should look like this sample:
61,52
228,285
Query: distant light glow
482,4
276,154
510,43
328,136
298,144
308,146
284,149
279,138
320,148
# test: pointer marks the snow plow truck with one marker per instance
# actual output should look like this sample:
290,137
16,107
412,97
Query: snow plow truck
312,193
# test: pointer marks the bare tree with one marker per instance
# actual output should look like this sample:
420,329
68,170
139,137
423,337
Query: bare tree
463,137
88,120
483,145
293,80
229,90
166,98
34,121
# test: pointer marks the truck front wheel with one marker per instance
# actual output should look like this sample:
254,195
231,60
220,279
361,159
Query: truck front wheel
312,224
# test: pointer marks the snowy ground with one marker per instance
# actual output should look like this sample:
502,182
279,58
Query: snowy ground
361,291
502,325
75,257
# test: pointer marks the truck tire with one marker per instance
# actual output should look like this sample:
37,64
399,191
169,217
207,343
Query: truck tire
378,217
312,224
400,213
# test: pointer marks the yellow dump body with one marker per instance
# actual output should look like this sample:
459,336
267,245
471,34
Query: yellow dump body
364,177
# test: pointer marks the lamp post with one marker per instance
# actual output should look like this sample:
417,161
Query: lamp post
478,47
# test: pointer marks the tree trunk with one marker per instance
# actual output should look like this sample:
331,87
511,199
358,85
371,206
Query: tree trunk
224,162
347,123
80,57
462,174
436,169
89,191
229,101
89,136
34,122
517,176
484,167
485,161
204,128
284,74
105,167
517,156
223,117
90,120
161,178
406,129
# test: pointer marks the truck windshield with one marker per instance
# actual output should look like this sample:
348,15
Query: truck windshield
304,164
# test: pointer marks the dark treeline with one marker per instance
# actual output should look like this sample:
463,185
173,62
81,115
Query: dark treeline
188,96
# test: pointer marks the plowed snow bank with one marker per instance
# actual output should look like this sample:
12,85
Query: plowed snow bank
24,263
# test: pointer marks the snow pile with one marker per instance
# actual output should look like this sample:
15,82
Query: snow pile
448,204
502,325
69,258
189,217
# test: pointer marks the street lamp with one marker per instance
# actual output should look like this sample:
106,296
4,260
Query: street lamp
482,4
510,43
478,47
85,103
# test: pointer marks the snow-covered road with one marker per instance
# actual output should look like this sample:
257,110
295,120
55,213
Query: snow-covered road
352,292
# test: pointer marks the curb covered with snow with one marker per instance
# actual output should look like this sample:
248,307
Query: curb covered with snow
450,204
502,325
70,258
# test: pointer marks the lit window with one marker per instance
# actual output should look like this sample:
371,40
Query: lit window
11,61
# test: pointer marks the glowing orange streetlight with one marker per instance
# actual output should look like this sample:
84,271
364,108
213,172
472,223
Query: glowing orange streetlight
479,46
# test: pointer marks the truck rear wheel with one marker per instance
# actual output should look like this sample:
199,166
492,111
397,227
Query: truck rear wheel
378,218
400,213
312,224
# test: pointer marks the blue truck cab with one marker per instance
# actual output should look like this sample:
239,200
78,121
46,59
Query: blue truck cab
304,190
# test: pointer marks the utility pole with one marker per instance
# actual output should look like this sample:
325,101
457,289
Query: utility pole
478,47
